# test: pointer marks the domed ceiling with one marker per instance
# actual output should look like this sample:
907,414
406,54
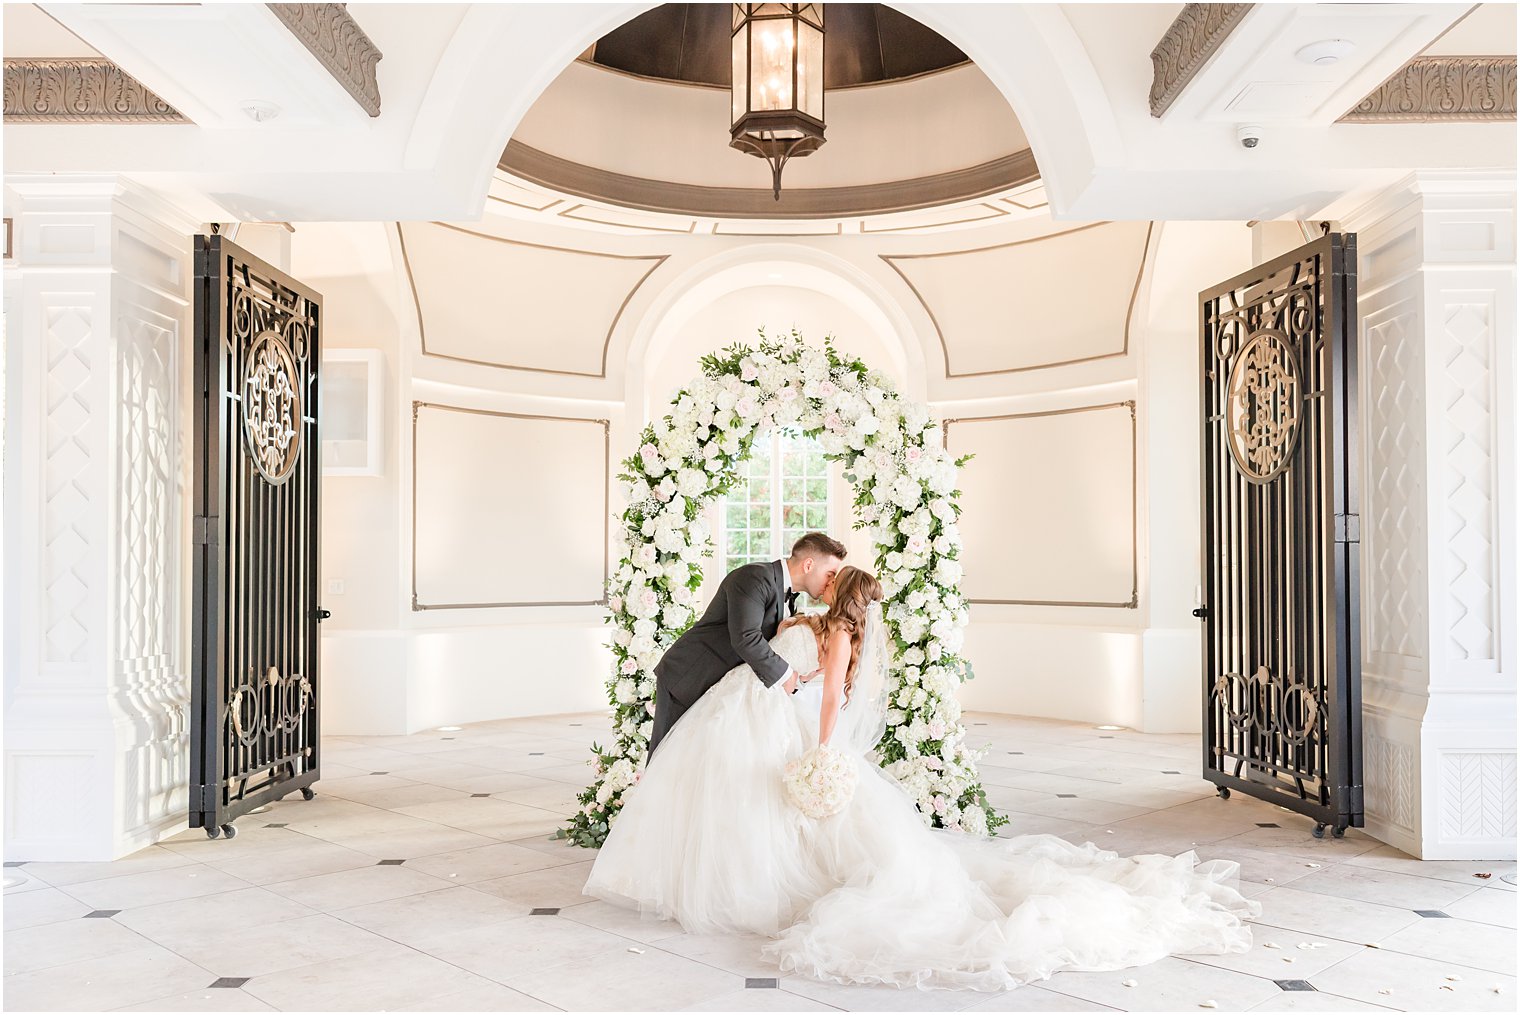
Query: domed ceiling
867,43
642,121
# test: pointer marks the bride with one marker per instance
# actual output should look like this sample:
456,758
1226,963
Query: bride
710,838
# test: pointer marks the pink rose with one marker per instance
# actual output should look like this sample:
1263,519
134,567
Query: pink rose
787,393
826,389
833,422
629,666
913,454
939,805
936,729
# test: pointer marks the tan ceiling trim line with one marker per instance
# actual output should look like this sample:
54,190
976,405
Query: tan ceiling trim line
1129,316
1134,507
996,213
1186,46
406,263
417,406
79,90
684,199
1443,89
568,213
339,44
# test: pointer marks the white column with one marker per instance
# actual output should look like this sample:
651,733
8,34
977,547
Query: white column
96,491
1438,385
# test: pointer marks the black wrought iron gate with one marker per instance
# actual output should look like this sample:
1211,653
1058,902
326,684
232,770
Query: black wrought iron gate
1282,653
254,689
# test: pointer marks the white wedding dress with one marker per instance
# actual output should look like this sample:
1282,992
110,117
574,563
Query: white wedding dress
708,838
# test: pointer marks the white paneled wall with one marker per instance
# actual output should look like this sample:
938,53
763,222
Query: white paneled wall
1438,384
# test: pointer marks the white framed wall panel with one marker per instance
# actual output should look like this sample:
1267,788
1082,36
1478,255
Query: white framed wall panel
508,509
1049,509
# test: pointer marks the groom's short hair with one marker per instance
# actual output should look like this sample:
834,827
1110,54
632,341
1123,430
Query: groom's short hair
816,544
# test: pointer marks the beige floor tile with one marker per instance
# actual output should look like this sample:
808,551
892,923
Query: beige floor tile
406,795
626,981
1278,954
428,840
532,944
171,923
551,887
1330,916
58,944
479,814
23,882
624,922
131,891
46,905
210,999
1259,865
1295,837
316,857
415,918
1486,906
154,858
738,953
1479,945
1416,984
1172,984
1032,997
484,996
1459,871
486,863
1385,888
878,998
1315,1000
761,999
386,978
110,981
246,950
357,887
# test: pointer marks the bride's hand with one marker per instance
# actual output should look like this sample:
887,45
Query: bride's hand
809,676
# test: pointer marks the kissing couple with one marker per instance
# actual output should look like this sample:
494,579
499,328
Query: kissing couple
712,835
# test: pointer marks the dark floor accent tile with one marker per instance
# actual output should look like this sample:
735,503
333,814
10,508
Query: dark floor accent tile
1432,914
379,773
1015,752
479,794
1105,738
1168,771
14,863
230,981
101,914
545,912
535,754
390,863
1066,796
277,824
978,724
761,982
575,724
445,738
1267,824
1295,984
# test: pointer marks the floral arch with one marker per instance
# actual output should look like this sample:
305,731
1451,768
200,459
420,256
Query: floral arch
905,492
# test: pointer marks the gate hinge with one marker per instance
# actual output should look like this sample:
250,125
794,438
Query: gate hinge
207,800
205,530
1348,528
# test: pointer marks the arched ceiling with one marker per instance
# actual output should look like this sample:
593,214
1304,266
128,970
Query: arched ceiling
863,44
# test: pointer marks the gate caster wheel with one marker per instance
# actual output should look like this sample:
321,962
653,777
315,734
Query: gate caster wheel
307,793
213,832
229,831
1224,792
1319,831
1339,831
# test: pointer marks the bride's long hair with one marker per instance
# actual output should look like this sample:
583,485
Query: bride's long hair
854,592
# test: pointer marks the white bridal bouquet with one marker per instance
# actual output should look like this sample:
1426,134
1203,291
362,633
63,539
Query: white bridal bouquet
821,782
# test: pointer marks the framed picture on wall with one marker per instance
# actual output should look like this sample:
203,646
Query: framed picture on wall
353,436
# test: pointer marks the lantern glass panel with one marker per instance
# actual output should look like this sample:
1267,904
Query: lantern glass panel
771,53
739,91
810,70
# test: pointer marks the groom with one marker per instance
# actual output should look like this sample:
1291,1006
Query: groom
738,626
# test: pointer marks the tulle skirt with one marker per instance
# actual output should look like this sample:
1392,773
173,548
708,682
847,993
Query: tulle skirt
872,895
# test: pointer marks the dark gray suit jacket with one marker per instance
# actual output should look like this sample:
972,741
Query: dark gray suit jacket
737,628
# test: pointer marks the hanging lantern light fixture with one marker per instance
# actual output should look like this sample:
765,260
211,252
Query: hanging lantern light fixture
777,89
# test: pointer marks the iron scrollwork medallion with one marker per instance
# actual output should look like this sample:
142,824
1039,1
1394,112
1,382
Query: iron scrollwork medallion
272,407
1262,413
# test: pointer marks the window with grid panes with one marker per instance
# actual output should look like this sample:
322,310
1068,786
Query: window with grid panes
782,493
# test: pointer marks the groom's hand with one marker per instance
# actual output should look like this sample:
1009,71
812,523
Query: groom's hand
791,684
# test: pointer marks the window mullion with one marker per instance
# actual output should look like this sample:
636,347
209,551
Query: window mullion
778,452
